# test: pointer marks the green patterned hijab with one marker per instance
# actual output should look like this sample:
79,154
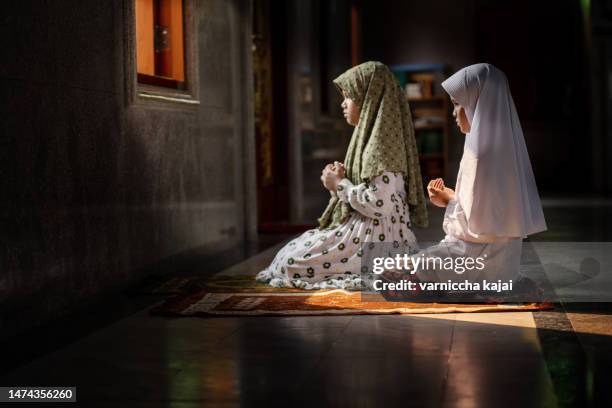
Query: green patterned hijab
383,140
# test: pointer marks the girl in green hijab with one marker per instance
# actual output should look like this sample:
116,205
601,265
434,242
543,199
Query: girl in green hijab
376,194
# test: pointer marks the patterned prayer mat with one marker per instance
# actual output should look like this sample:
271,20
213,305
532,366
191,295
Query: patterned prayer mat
217,283
308,303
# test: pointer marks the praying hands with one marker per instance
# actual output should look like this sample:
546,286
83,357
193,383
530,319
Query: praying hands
332,174
439,194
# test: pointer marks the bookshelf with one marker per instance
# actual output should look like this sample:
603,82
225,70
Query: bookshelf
430,114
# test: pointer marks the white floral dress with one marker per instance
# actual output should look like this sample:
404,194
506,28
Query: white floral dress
331,258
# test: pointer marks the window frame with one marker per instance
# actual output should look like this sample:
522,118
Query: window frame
139,93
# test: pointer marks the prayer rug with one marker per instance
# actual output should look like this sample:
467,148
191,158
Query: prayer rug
307,303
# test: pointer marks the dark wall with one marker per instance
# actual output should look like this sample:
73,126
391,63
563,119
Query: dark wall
318,50
541,47
600,54
94,187
405,32
408,32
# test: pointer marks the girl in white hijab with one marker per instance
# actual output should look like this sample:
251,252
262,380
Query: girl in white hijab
495,203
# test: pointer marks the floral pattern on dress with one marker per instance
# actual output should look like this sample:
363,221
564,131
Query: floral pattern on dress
331,258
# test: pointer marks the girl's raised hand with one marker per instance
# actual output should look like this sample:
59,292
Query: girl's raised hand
332,174
330,166
437,193
435,187
339,169
436,184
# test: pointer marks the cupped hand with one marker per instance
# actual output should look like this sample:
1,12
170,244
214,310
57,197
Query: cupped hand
438,194
435,186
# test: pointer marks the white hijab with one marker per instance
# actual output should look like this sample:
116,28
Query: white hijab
495,185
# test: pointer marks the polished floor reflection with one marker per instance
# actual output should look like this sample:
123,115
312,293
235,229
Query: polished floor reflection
545,359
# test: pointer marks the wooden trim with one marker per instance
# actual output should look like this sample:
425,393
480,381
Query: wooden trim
153,60
177,40
186,97
169,62
145,53
160,81
166,98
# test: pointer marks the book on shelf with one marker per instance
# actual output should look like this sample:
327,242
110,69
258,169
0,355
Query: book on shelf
413,90
426,81
425,121
430,115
